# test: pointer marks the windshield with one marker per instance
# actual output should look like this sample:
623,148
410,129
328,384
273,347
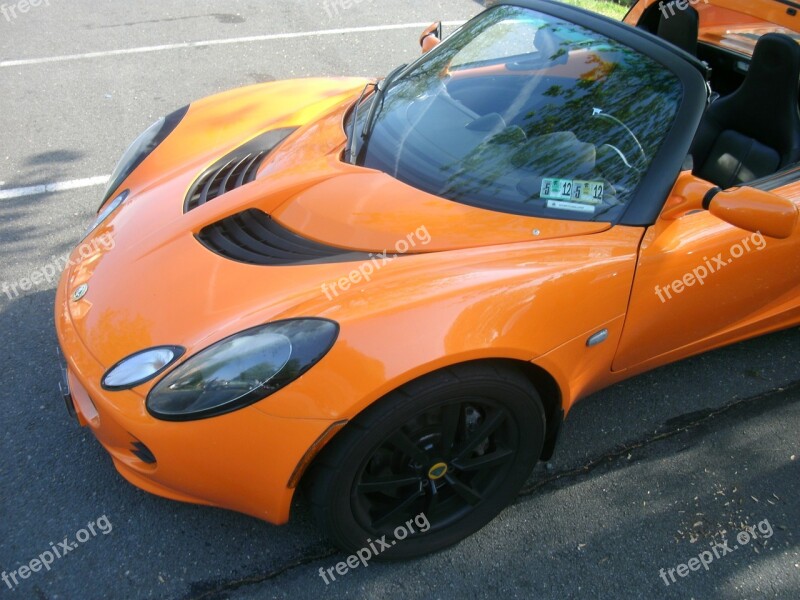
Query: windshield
524,113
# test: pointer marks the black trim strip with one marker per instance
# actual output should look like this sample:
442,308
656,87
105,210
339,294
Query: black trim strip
778,180
710,195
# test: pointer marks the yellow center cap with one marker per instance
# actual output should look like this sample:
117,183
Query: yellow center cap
437,471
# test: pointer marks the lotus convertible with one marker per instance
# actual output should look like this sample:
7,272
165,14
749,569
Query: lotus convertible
389,293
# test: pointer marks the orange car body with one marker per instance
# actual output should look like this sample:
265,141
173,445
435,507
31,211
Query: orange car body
484,285
734,24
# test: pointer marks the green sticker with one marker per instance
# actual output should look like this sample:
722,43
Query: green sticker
573,190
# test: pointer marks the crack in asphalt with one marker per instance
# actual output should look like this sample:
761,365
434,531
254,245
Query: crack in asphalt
215,591
674,427
681,424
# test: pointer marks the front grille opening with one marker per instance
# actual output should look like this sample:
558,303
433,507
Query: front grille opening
254,238
235,173
142,452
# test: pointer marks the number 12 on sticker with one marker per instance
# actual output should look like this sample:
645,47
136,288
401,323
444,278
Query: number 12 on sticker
586,192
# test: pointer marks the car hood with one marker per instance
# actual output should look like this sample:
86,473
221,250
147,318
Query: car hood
151,281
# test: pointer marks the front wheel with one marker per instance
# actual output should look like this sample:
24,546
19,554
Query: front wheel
429,464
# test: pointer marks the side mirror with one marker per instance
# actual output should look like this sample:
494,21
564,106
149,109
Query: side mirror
431,37
753,210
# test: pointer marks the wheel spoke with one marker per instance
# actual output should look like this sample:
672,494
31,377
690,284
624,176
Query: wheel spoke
432,501
495,459
386,484
485,430
403,443
463,490
451,414
400,508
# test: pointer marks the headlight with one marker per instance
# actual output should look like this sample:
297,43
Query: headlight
138,368
141,149
241,369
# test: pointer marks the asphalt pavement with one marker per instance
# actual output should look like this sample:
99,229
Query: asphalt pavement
648,476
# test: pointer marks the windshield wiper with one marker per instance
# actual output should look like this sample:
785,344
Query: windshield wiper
377,102
353,145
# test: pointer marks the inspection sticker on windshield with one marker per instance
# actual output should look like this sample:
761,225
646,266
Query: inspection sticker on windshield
573,190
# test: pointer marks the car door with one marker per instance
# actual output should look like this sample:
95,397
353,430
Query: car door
701,283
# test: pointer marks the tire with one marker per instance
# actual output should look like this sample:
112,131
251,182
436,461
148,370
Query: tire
451,449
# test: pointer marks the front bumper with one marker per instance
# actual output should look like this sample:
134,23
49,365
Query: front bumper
241,461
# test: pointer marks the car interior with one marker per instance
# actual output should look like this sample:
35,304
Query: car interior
751,129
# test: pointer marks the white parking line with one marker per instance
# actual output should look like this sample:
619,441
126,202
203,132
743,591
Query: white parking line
47,188
221,42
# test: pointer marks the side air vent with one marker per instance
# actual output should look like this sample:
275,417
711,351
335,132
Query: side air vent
253,237
235,169
142,452
233,174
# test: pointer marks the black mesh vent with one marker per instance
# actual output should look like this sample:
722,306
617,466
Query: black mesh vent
252,237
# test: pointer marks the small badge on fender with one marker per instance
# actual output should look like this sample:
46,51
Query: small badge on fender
80,292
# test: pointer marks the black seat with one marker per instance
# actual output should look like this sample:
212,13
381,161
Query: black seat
755,131
680,27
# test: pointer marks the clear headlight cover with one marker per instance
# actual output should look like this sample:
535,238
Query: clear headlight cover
140,367
241,369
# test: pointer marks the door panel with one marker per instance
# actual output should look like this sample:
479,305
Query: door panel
701,282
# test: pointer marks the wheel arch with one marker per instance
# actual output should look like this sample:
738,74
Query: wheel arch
545,384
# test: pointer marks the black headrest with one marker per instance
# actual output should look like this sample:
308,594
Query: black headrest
774,70
767,101
680,27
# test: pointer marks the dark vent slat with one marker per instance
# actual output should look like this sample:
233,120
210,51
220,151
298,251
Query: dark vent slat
244,177
252,237
245,239
223,186
217,241
265,228
194,194
265,244
212,182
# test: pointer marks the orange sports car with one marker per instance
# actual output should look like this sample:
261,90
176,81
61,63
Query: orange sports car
389,293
